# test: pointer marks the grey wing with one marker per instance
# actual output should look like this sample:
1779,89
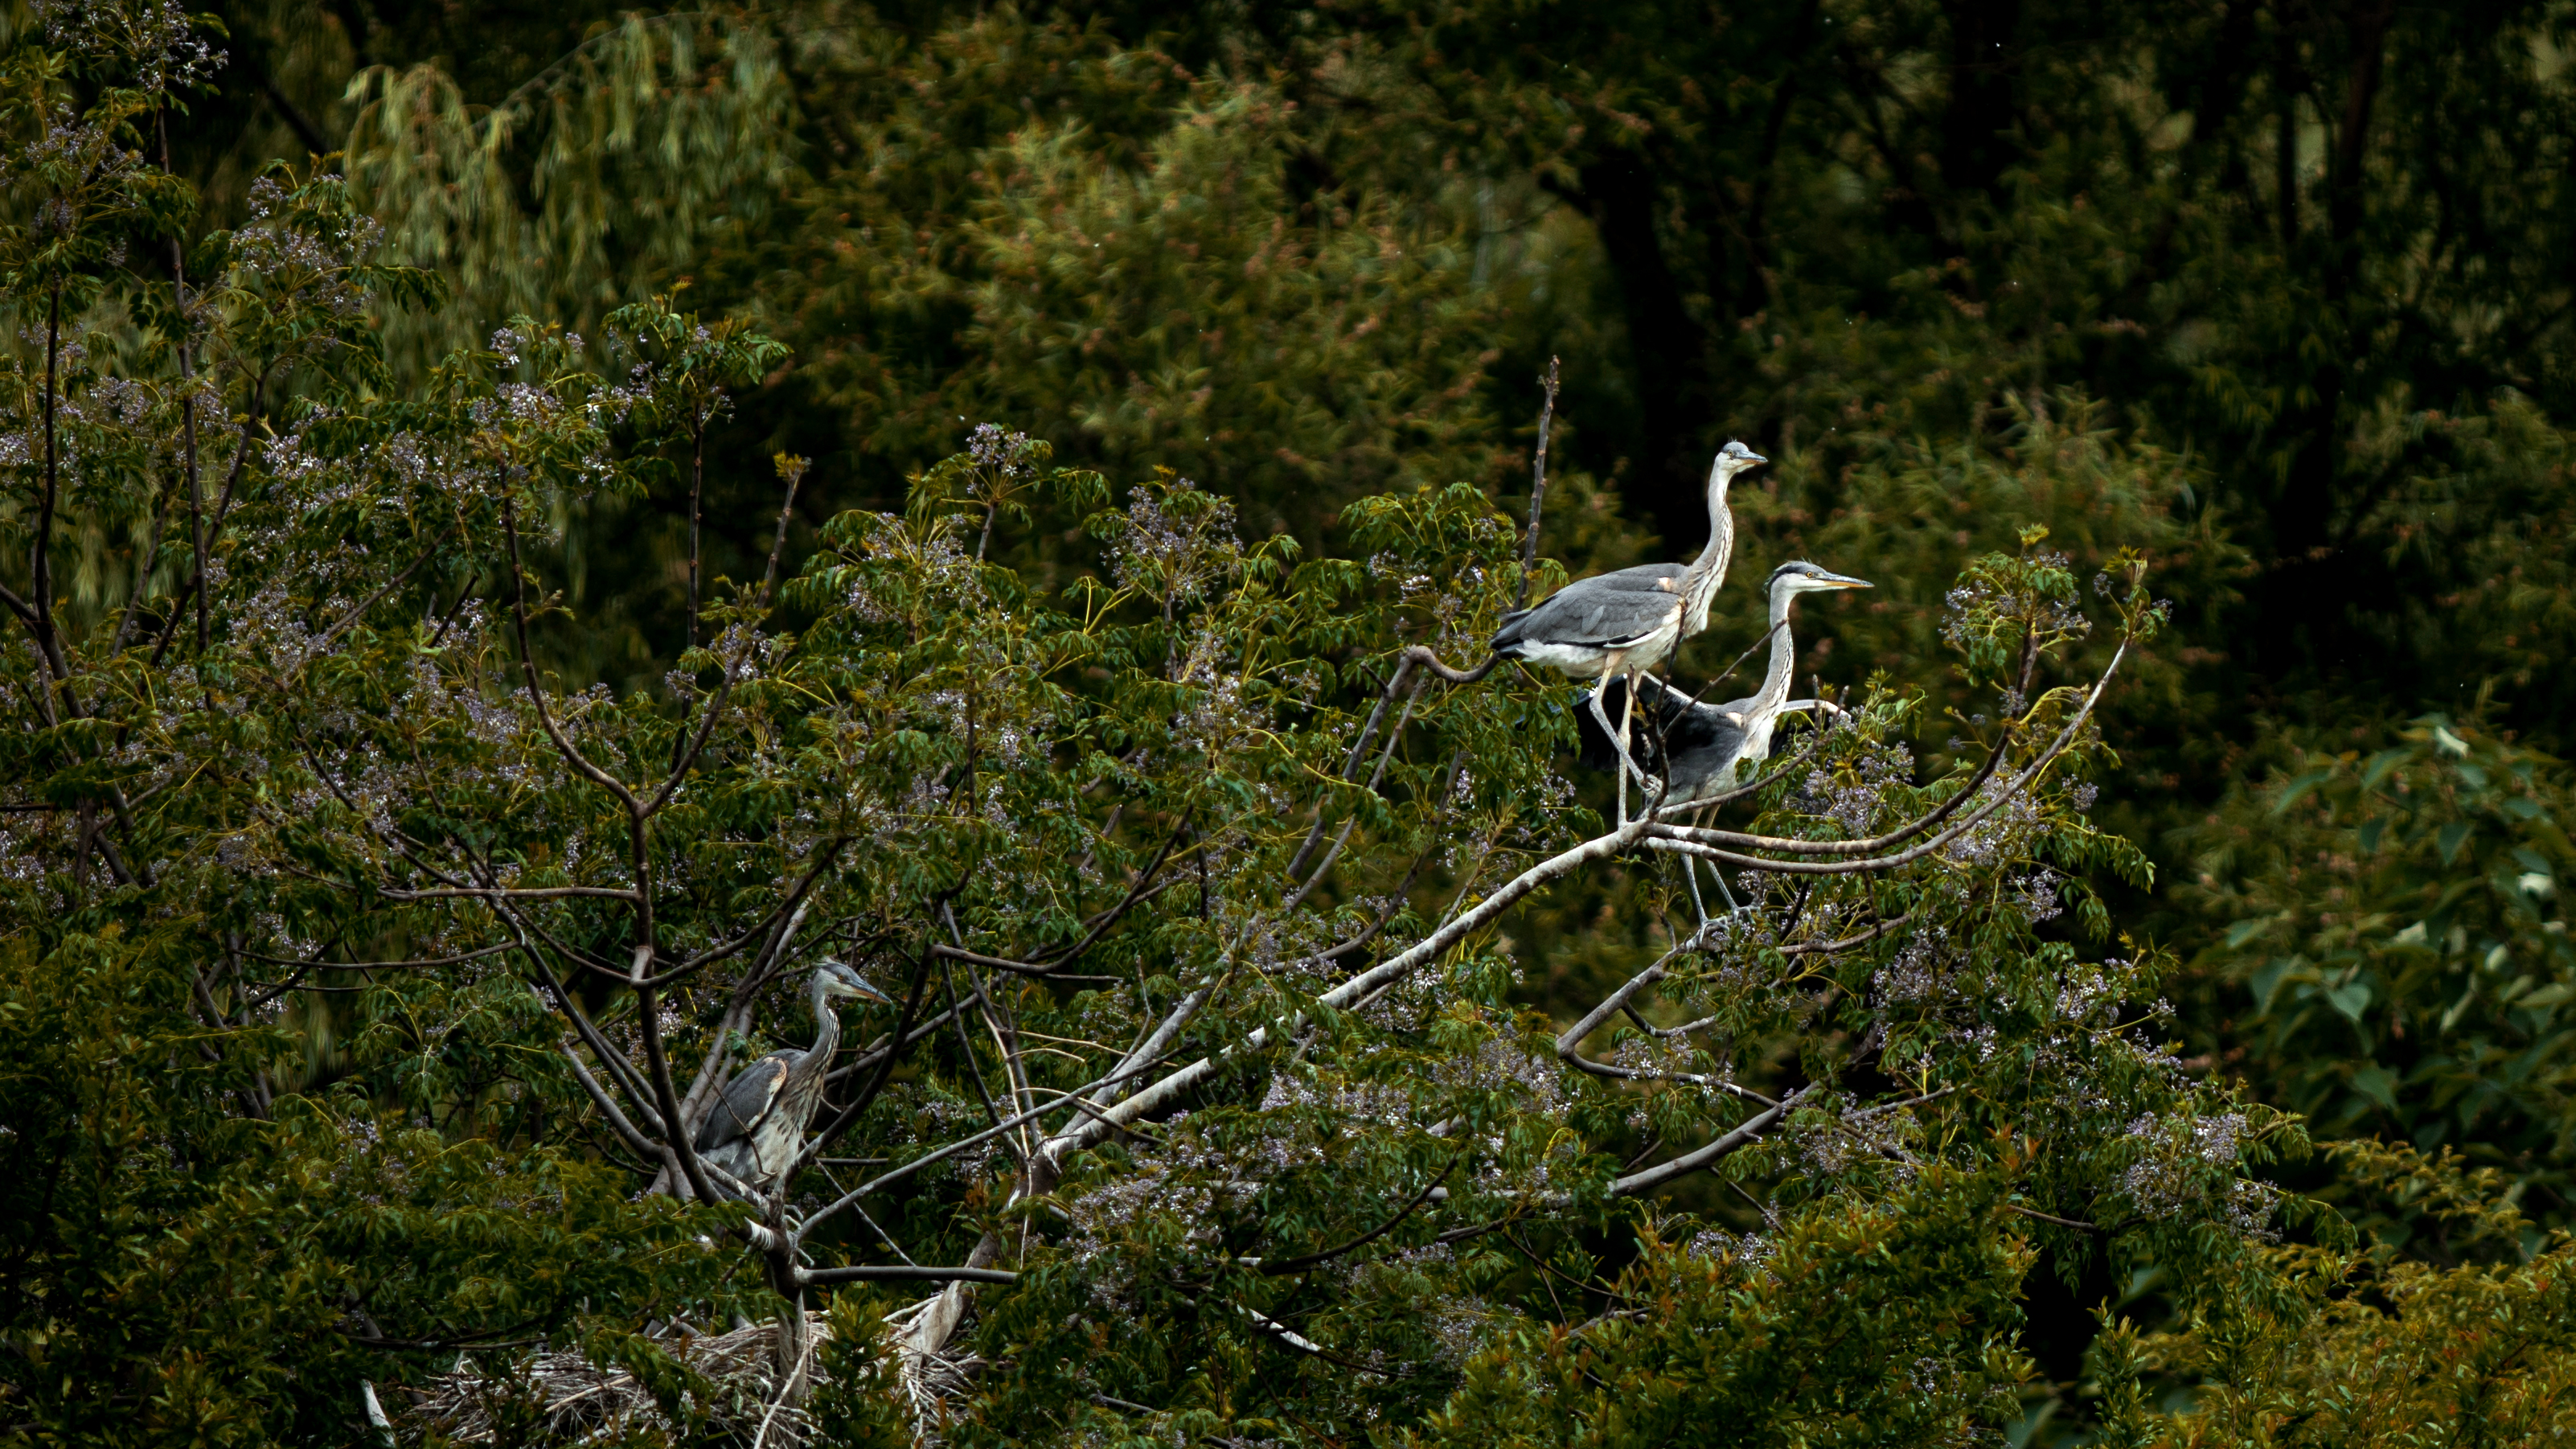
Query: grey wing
1704,742
1699,739
1610,609
749,1097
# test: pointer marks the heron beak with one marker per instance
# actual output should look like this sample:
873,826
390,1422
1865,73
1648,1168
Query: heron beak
1730,464
1841,581
847,982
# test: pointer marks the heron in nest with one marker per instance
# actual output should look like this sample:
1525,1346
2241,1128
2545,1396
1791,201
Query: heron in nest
758,1126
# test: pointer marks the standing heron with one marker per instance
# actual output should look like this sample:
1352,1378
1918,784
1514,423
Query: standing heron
1619,625
759,1124
1699,746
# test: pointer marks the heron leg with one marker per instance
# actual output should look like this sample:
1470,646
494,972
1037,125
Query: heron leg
1627,720
1646,782
1628,712
1714,872
1720,877
1618,737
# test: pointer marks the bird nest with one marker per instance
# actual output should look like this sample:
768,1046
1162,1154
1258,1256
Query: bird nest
563,1397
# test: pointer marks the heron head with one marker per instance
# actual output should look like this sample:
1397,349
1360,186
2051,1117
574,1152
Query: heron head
1802,577
1732,459
833,979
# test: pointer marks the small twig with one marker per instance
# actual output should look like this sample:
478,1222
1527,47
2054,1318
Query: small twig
1422,655
966,1049
1538,487
536,687
1309,1260
941,1154
1545,1267
1828,948
1101,924
355,614
682,758
2054,1218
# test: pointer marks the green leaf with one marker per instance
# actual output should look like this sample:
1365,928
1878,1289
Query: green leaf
2380,765
2272,976
2290,793
2450,839
2457,1009
2378,1084
2349,999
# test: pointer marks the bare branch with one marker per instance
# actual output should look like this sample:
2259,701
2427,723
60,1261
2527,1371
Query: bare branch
635,1140
500,893
1743,1136
1538,487
1788,845
1863,938
378,597
528,667
1362,985
904,1273
941,1154
724,687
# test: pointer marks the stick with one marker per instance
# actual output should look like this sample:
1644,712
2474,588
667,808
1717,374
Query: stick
1538,486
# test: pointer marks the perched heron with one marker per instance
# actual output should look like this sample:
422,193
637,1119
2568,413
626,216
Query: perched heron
759,1124
1620,625
1695,746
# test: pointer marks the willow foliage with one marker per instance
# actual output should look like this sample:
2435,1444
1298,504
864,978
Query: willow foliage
574,192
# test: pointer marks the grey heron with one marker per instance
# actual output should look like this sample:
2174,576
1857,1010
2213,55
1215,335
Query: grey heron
1621,624
1698,746
759,1123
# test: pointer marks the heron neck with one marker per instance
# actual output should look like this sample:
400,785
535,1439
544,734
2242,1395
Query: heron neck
1784,654
1708,571
827,1027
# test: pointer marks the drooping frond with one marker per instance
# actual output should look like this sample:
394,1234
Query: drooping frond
582,188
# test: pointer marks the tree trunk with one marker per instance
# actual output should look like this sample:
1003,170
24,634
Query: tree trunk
1670,348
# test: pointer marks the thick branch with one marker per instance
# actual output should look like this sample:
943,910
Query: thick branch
1686,1164
904,1272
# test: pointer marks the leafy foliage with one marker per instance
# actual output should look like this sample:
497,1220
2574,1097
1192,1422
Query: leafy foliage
2397,925
2358,1344
638,144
